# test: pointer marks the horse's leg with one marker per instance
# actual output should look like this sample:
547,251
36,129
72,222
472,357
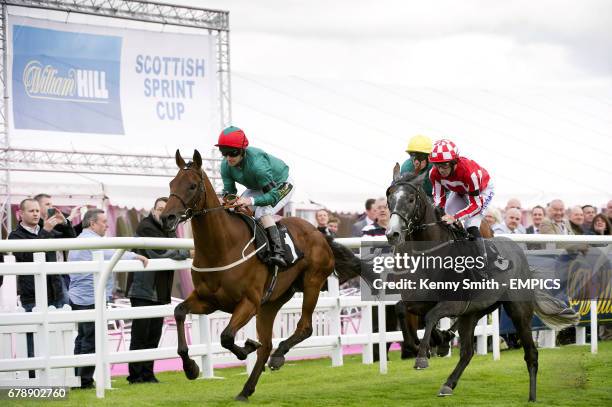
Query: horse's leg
193,305
265,323
312,287
244,311
408,323
521,314
466,326
440,310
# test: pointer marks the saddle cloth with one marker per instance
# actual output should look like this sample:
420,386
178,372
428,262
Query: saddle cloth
292,252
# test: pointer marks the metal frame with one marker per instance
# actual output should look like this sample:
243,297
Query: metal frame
215,21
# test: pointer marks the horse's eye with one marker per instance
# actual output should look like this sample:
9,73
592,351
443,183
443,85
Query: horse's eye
192,186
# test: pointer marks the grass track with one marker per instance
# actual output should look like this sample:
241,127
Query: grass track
569,376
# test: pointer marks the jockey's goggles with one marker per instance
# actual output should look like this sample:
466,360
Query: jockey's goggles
443,165
232,152
418,156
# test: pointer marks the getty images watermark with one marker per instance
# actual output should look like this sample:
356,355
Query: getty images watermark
462,271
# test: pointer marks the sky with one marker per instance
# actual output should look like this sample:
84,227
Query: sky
337,88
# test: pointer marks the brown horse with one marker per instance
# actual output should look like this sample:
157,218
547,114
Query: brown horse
220,239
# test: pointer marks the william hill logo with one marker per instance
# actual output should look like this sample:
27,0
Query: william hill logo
77,85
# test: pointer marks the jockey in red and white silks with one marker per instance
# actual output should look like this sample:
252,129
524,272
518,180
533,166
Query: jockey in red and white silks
469,186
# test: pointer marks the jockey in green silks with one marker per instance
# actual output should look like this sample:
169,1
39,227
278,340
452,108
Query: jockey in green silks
269,187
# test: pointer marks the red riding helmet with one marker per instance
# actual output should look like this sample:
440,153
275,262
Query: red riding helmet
443,151
232,137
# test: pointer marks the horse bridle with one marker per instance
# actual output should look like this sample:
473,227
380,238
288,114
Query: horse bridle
409,230
191,212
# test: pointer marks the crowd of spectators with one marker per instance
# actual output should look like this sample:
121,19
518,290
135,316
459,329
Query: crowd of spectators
554,218
38,218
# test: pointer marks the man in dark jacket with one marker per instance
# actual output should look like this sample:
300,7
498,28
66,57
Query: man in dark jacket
29,228
62,229
150,288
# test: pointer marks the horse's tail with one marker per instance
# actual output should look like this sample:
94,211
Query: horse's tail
347,264
555,313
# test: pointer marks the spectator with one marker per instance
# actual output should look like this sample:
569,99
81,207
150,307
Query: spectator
601,225
516,204
493,216
576,220
367,219
150,288
537,216
333,225
63,229
30,228
322,218
81,292
609,210
379,227
555,223
589,213
512,219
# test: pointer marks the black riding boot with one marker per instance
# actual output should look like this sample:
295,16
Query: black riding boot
276,251
494,256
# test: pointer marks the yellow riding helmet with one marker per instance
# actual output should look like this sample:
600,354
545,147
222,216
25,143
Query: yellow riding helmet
419,144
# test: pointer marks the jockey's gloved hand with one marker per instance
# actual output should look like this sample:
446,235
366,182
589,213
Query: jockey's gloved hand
229,198
449,219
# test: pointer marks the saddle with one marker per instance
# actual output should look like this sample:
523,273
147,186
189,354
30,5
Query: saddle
292,251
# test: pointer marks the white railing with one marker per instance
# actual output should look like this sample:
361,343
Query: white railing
203,349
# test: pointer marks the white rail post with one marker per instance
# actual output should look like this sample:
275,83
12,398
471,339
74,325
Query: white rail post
581,335
250,331
366,322
100,290
205,337
481,340
335,323
41,338
382,337
549,338
495,336
594,326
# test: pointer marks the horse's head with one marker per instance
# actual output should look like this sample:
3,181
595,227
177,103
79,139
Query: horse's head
407,203
187,192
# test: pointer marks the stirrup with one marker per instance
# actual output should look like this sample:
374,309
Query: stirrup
276,259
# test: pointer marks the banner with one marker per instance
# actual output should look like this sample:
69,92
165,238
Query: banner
71,80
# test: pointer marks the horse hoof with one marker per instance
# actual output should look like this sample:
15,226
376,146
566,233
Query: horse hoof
421,363
251,345
276,362
241,397
192,371
445,391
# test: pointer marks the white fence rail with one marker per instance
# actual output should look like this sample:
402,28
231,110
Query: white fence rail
52,324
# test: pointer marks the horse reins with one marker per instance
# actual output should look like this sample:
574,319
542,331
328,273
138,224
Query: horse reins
193,212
